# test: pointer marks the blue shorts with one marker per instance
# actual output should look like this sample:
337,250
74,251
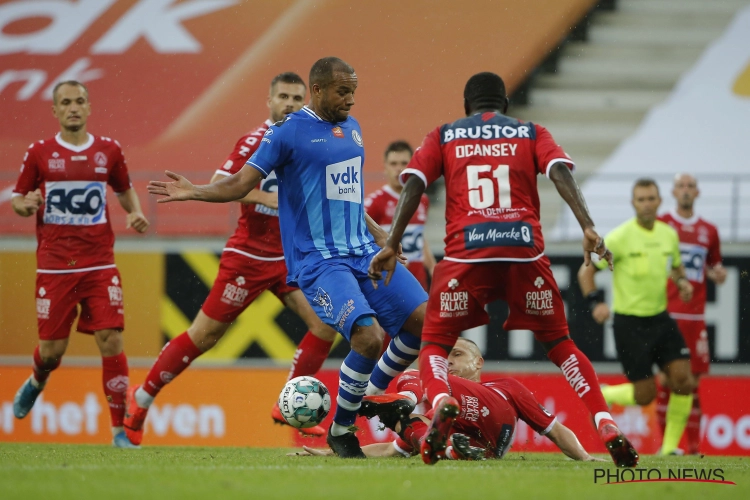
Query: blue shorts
340,293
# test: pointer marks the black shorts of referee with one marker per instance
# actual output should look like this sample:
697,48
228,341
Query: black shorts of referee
643,342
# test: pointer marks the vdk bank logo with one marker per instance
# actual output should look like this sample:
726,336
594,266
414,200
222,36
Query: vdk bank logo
344,180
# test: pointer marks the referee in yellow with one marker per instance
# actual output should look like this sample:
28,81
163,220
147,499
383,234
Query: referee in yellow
646,254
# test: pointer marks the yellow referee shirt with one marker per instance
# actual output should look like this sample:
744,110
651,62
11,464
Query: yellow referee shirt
642,263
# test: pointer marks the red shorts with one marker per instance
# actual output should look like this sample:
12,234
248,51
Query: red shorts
58,295
419,272
460,291
696,338
240,281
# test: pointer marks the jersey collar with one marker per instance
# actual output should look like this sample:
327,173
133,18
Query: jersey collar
75,149
268,122
312,113
685,222
388,189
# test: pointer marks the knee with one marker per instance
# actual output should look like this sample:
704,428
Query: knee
644,394
368,340
109,342
682,384
51,354
206,339
324,332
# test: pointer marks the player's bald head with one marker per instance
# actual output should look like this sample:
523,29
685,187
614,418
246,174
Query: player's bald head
322,72
685,177
469,346
485,92
72,83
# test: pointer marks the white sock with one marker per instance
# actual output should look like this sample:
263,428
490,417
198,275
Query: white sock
142,398
373,390
117,430
602,415
410,395
35,382
338,429
436,399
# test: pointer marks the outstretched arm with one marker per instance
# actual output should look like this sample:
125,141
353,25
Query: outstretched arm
408,202
570,192
568,443
269,199
232,188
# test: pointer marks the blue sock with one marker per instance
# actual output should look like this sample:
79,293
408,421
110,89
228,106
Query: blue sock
353,378
402,352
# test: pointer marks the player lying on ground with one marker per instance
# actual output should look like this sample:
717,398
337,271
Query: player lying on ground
485,426
494,245
251,263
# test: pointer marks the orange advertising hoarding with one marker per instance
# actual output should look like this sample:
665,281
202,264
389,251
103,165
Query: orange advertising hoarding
178,81
206,407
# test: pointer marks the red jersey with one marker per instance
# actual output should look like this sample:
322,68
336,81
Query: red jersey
257,235
73,229
700,249
381,204
490,162
489,410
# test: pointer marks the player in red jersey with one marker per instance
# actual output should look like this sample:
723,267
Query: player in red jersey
64,182
701,255
251,263
381,204
494,246
486,425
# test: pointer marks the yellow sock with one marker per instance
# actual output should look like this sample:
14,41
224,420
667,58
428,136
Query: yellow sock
678,411
623,394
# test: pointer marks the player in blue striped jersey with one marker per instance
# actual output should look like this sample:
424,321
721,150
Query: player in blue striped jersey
317,154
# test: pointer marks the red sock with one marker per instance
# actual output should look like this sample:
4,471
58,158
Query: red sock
433,371
42,370
414,433
309,357
580,374
173,359
115,380
662,401
693,429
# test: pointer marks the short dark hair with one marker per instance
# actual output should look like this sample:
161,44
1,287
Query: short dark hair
322,71
68,82
646,182
485,91
398,146
287,77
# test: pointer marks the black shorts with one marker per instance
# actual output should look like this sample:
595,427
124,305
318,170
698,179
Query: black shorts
642,342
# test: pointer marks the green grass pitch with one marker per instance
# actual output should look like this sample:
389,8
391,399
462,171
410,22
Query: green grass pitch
80,472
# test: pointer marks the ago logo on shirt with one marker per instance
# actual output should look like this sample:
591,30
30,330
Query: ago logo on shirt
78,203
344,180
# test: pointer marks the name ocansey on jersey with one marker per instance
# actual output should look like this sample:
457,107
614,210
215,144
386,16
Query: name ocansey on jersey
78,203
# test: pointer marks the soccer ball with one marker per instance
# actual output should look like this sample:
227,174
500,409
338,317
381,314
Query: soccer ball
304,402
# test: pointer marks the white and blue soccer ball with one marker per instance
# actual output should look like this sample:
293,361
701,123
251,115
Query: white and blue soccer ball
304,402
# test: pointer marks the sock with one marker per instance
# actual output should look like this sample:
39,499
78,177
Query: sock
662,400
580,374
433,371
402,351
622,394
678,412
115,382
173,359
693,429
409,385
142,398
309,357
353,377
414,433
42,370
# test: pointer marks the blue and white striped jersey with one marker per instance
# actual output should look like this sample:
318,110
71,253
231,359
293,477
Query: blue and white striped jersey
319,169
